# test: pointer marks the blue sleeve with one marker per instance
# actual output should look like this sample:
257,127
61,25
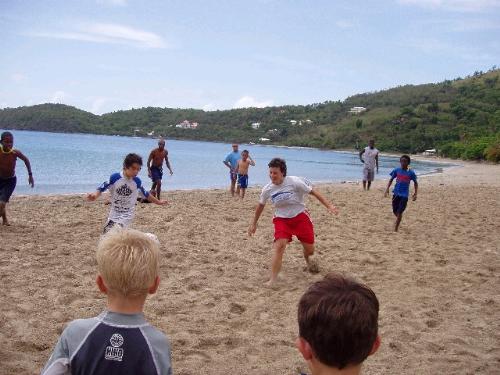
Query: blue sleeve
140,187
413,176
227,158
394,173
106,184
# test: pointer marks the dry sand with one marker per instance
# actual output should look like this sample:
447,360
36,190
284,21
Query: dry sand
437,280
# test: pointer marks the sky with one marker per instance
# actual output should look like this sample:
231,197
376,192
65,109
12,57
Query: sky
108,55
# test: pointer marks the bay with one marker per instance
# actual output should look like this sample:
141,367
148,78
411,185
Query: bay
78,163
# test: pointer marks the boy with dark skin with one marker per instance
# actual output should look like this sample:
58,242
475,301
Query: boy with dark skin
8,158
155,166
401,190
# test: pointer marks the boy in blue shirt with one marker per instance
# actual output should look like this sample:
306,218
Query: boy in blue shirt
401,190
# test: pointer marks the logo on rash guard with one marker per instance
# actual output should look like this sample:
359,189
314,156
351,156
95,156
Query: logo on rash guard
124,190
114,352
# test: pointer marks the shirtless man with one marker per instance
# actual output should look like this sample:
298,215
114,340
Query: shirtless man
155,166
242,169
8,157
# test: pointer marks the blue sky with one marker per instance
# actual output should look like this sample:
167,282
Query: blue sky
107,55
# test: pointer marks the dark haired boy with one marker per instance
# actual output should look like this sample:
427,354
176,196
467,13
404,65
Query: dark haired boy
401,190
124,188
338,325
291,218
8,180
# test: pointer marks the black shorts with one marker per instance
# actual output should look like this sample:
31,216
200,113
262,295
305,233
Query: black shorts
399,204
7,186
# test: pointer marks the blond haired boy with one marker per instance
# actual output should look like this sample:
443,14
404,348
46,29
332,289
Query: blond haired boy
119,340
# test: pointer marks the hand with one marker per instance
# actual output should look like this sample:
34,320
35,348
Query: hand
91,197
386,194
362,161
31,181
252,229
333,209
171,172
149,173
414,197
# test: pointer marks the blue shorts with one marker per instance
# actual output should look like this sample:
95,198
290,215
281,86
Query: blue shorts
7,186
243,181
156,173
399,204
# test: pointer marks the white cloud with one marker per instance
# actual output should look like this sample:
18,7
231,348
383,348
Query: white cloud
109,33
58,97
454,5
208,107
18,77
250,102
97,105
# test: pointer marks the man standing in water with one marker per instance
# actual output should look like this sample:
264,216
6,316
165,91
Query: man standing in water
370,161
8,157
231,161
155,167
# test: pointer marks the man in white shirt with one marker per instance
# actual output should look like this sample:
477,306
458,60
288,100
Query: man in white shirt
370,161
290,216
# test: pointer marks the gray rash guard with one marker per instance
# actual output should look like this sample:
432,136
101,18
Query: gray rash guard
109,344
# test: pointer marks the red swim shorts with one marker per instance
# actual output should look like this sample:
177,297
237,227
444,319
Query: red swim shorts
300,226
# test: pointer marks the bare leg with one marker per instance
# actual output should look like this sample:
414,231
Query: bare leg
364,185
3,213
368,186
243,193
278,250
308,251
398,221
238,190
158,189
153,188
233,183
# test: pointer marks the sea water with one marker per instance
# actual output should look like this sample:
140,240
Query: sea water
78,163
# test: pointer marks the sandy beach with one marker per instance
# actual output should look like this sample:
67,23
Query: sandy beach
437,279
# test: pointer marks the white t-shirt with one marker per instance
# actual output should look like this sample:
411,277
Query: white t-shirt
288,197
369,157
124,192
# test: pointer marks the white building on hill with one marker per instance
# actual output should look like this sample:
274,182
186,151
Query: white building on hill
357,110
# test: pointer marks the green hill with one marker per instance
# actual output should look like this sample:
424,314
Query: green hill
460,118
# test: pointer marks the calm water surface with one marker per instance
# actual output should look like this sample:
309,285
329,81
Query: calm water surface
77,163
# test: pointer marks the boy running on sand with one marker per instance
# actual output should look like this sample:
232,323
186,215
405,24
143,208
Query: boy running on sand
338,326
155,166
242,169
290,216
401,190
119,340
8,180
124,188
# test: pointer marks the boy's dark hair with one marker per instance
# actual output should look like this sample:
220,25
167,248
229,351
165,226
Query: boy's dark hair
278,163
132,159
406,157
245,151
5,135
338,317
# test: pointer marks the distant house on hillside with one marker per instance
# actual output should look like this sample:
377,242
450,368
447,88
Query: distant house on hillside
255,125
293,122
187,125
264,139
357,110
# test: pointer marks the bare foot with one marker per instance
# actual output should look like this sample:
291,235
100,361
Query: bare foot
271,283
312,266
6,223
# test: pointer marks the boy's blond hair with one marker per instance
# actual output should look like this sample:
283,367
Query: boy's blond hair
128,261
